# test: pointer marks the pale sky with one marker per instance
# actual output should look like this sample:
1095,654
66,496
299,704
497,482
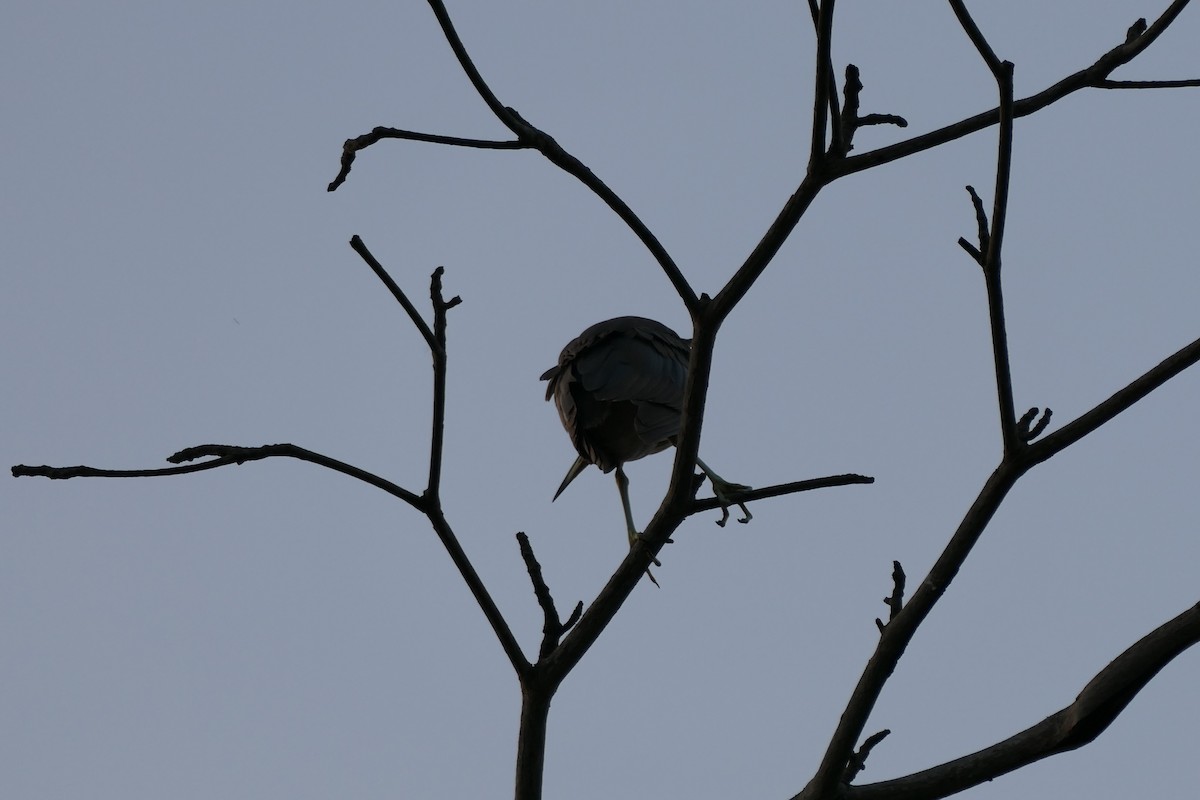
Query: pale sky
174,273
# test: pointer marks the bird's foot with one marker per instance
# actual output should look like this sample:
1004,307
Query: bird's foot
723,489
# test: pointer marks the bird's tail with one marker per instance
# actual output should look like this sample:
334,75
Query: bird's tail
576,468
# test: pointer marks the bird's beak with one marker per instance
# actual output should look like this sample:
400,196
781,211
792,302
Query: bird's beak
576,468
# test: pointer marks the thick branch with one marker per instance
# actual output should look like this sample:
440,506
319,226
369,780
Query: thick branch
896,635
1103,699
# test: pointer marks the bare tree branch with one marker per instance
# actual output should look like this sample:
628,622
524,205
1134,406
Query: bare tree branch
352,146
835,117
1179,84
990,245
858,761
1089,77
359,247
531,137
824,89
1121,400
1100,702
552,626
843,140
438,351
223,455
894,602
778,490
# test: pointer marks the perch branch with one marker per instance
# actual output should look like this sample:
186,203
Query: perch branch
778,490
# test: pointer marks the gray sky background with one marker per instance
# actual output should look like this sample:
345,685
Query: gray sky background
174,273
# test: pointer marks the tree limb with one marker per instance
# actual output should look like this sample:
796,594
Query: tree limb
223,455
1100,702
529,137
1094,76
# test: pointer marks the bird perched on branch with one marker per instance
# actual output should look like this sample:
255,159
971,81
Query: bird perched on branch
619,392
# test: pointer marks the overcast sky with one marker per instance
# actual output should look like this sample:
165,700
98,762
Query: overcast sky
174,273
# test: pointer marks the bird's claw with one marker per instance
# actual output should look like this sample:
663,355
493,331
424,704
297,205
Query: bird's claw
725,515
634,536
722,491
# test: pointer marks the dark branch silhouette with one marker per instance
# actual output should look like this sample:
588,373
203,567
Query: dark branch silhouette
1100,702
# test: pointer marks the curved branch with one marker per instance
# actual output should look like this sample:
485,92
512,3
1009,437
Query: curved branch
1100,702
530,137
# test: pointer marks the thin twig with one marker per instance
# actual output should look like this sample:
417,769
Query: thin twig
851,121
552,627
824,87
991,244
1179,84
894,602
438,426
223,455
351,146
359,247
531,137
858,761
1027,430
981,223
837,134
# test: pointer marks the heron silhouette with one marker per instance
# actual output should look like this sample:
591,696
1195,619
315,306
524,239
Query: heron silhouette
618,388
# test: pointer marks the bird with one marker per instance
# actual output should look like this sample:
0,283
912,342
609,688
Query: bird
618,388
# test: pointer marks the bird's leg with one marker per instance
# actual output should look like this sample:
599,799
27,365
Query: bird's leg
722,489
623,488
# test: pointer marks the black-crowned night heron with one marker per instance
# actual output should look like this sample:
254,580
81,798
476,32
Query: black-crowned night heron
619,391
